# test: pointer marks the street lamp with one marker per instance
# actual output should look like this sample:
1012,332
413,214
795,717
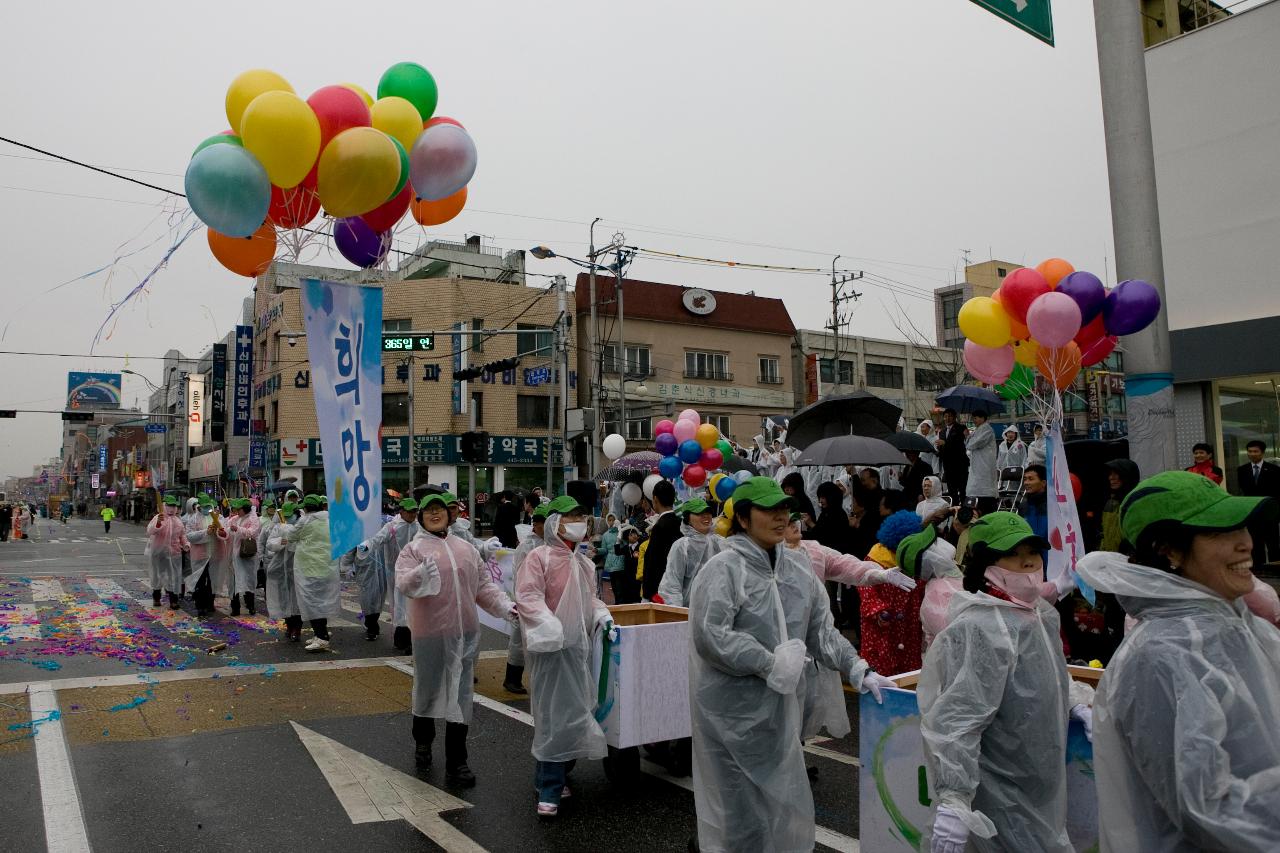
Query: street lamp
153,386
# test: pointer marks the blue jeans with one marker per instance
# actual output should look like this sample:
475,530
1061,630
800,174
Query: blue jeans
549,778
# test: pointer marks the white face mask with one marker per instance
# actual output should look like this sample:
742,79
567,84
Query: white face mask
575,531
1022,588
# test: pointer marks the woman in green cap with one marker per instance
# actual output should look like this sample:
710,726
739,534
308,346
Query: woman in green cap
689,553
243,528
166,540
1187,731
282,595
315,573
994,702
755,613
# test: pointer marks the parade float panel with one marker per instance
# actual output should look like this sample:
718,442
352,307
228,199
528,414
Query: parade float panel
644,676
896,802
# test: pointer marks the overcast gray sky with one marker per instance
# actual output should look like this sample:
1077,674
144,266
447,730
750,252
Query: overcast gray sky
894,133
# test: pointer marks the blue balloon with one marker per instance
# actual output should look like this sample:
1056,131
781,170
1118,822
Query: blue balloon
690,451
670,467
725,488
666,444
228,189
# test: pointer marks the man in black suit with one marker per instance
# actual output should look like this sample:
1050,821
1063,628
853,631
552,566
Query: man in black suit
1257,478
955,461
663,533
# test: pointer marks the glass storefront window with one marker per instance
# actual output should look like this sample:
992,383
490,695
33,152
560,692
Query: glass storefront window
1249,409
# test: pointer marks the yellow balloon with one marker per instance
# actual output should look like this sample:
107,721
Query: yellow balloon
1024,352
248,86
359,90
358,171
399,118
984,321
282,131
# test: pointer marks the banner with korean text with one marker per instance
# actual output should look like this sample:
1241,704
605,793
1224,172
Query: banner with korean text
1066,538
344,342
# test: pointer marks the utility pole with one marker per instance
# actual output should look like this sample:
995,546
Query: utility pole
411,459
622,349
596,355
1135,225
838,281
562,356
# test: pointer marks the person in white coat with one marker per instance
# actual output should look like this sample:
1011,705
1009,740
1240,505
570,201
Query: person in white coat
243,528
375,561
513,681
689,553
560,615
166,540
1038,449
931,459
981,449
1012,452
444,580
207,556
282,595
315,573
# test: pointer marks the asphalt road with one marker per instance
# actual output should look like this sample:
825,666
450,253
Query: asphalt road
123,732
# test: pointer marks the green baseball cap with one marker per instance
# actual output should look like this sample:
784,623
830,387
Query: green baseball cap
242,503
288,508
763,492
693,506
170,500
204,500
449,498
409,504
1002,532
1191,500
911,549
268,501
564,505
540,511
312,502
434,498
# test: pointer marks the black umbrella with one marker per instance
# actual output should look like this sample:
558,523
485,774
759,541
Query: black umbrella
851,450
967,399
284,486
911,441
735,463
641,462
859,413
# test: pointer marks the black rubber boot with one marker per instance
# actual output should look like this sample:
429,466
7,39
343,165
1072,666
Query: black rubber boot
155,598
424,734
371,627
235,605
250,604
456,771
402,640
512,682
173,601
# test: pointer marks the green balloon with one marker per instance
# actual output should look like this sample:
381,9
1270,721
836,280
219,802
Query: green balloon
725,448
218,139
411,81
404,168
1019,383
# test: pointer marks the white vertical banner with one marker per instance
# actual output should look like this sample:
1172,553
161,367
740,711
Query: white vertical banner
344,343
1066,539
195,410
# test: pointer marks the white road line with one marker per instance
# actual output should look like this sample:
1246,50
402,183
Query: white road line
46,589
20,623
823,752
107,589
64,825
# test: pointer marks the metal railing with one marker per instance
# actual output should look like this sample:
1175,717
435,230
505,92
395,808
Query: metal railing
719,375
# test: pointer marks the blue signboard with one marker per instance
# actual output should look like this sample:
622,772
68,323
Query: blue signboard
93,390
158,428
257,454
242,382
537,375
102,457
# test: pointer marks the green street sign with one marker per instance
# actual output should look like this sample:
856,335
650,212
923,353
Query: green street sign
1033,16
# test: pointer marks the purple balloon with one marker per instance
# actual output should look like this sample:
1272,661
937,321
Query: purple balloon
1087,290
666,444
670,467
359,243
690,452
1131,306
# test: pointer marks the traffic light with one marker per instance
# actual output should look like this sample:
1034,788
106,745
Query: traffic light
475,447
8,413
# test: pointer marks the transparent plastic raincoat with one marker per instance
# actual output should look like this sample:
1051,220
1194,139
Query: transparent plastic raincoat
688,554
558,615
244,569
749,781
166,540
994,702
1186,722
383,549
196,524
444,581
515,644
315,573
219,568
282,597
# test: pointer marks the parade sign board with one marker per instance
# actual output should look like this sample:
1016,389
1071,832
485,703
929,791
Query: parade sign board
344,323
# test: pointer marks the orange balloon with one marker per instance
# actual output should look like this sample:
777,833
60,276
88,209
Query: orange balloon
248,256
1018,331
1060,366
439,212
1054,270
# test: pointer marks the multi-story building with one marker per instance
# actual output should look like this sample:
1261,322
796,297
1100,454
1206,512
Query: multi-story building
728,355
981,279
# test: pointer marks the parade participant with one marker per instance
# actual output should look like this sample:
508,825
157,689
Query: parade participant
266,521
689,553
444,580
981,449
559,617
755,611
315,573
207,541
513,681
461,527
931,489
243,527
1012,452
375,572
994,702
282,595
931,559
1187,715
890,613
166,540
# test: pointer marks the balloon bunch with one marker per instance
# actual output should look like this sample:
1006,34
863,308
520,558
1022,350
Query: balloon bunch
1051,318
689,448
366,162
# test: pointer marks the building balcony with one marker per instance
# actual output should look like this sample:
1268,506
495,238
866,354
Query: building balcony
769,380
719,376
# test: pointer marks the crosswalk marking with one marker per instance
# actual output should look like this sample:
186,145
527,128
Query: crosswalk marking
107,589
46,589
20,623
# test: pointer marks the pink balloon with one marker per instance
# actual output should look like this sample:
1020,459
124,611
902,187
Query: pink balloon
711,459
1054,319
694,475
691,415
991,365
685,431
663,426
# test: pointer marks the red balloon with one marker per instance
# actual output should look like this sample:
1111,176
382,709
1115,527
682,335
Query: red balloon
694,475
1097,352
1090,333
1077,488
386,216
338,108
1020,289
294,207
711,459
432,122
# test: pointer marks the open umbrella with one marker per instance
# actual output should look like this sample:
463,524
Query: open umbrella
851,450
859,413
911,441
284,485
642,462
735,463
967,399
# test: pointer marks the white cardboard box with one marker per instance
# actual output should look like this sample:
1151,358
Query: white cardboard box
646,682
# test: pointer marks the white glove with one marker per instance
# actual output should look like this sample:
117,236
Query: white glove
424,581
604,622
949,832
788,664
490,546
873,682
898,579
1084,714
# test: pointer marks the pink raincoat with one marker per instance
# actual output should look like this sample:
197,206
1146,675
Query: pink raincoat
166,540
245,571
830,565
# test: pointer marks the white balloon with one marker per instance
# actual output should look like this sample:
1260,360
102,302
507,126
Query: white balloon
442,161
631,494
649,482
614,446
